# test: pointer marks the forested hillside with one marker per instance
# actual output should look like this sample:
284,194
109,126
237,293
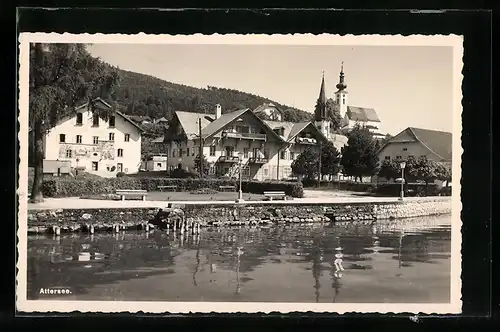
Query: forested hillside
140,94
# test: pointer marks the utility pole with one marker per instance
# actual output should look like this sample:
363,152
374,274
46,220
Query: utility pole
319,165
200,152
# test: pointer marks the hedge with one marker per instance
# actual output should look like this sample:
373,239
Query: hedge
61,187
411,189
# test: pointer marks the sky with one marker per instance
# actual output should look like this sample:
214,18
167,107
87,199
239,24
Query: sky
408,86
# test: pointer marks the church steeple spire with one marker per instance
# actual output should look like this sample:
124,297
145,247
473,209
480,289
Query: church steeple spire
341,85
320,111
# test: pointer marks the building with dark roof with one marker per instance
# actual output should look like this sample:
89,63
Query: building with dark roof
351,115
417,142
101,146
266,148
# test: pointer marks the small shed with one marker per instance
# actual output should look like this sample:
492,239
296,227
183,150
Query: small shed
156,162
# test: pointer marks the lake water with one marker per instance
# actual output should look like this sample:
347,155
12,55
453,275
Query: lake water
405,261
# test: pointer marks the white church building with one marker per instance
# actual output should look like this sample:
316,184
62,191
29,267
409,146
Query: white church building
351,115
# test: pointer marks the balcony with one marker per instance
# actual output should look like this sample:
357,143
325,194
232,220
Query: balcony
258,160
252,136
305,140
228,159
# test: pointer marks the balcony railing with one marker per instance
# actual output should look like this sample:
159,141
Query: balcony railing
253,136
305,140
258,160
228,159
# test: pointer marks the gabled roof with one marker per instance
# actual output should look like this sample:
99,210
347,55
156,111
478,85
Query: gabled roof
266,105
362,114
217,125
287,127
189,122
106,105
437,142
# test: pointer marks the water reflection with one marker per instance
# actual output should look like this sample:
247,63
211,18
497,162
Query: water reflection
252,264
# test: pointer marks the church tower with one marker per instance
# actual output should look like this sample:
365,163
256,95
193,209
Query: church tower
320,113
341,94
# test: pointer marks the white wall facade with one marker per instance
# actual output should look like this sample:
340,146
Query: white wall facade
103,154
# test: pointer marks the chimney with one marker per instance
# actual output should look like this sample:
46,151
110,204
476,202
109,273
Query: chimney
218,111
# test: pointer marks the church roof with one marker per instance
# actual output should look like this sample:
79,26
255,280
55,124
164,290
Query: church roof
362,114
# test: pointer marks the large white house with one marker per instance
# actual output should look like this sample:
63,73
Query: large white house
266,148
91,143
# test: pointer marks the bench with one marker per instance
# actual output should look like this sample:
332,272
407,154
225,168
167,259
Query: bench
275,194
225,188
173,188
131,192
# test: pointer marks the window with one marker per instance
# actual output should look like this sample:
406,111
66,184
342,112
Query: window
283,154
292,155
174,152
95,166
79,139
387,157
245,153
96,139
158,164
111,136
398,157
180,152
127,137
343,101
111,121
212,150
62,138
187,152
229,151
405,149
79,119
95,120
120,152
69,153
266,171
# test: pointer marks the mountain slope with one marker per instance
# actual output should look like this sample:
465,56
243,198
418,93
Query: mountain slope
140,94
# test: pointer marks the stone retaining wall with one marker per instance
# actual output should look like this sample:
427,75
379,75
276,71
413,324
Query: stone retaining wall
115,219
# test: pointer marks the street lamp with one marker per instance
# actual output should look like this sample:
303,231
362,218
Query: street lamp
401,194
240,193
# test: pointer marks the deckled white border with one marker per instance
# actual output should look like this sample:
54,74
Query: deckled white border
454,307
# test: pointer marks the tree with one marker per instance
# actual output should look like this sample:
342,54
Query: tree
359,156
62,75
330,159
306,164
333,114
424,170
204,163
443,172
389,169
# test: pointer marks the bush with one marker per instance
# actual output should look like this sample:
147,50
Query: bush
60,187
445,191
120,174
180,173
411,190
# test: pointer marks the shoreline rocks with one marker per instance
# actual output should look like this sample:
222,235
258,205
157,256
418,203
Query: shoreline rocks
193,217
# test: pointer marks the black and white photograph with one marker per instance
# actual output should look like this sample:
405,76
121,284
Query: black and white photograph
239,173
